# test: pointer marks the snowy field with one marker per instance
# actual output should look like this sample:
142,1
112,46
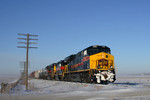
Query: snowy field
125,88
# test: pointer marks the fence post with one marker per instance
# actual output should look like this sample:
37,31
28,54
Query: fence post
2,88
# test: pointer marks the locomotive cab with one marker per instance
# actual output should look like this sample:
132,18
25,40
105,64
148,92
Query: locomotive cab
102,64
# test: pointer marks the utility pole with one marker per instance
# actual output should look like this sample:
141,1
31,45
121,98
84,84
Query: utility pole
27,49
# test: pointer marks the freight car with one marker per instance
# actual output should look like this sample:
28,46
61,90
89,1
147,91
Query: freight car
94,64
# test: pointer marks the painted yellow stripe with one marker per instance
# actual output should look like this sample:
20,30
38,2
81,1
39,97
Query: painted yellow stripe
78,71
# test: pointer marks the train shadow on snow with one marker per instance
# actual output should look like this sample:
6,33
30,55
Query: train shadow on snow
132,84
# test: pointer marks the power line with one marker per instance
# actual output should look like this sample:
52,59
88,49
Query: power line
27,43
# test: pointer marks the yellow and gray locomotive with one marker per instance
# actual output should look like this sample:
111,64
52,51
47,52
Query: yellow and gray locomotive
93,64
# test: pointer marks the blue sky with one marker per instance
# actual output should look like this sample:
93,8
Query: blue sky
68,26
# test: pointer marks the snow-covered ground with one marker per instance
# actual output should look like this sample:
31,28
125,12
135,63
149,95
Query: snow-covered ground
8,79
125,88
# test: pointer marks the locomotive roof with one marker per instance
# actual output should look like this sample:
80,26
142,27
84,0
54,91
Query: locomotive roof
97,46
69,57
51,65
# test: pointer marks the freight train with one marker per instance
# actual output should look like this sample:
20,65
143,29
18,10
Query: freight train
94,64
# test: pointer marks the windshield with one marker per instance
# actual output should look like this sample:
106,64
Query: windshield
98,49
